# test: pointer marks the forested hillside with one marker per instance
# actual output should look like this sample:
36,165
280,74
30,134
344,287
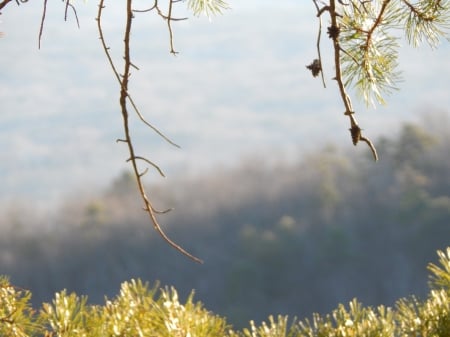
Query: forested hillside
276,238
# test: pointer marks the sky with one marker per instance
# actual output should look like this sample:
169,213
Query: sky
237,88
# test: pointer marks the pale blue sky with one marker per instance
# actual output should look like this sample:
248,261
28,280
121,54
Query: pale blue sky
239,86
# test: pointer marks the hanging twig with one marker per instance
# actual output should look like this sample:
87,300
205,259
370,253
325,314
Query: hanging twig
68,4
118,77
169,18
41,28
319,34
150,163
124,98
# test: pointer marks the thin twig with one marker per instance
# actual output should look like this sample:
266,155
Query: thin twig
7,319
349,55
169,25
42,23
142,118
155,4
419,13
371,146
319,34
4,3
68,4
116,74
148,162
375,25
164,211
124,98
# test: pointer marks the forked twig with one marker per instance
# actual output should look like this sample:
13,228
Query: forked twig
68,4
44,12
319,35
169,18
124,98
148,162
118,77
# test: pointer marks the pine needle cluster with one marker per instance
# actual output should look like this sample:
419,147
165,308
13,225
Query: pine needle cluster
371,35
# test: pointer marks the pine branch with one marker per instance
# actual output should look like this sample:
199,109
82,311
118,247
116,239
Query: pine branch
334,32
209,7
370,53
426,20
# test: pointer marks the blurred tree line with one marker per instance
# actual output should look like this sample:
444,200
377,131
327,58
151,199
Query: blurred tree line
276,238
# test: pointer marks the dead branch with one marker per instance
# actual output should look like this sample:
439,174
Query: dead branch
4,3
319,34
124,100
68,4
41,28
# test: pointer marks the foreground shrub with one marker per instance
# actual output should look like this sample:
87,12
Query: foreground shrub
142,311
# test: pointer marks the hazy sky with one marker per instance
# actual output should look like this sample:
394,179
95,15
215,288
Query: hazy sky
239,86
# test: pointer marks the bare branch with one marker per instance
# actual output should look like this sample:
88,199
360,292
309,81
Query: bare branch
164,211
141,117
68,4
148,162
4,3
319,34
371,146
124,98
118,77
42,23
169,25
155,4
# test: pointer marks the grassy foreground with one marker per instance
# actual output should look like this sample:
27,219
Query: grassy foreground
140,310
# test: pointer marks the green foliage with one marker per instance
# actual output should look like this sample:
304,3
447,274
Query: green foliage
370,42
67,315
208,7
138,311
356,321
370,58
426,20
411,317
430,317
17,318
275,328
440,277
